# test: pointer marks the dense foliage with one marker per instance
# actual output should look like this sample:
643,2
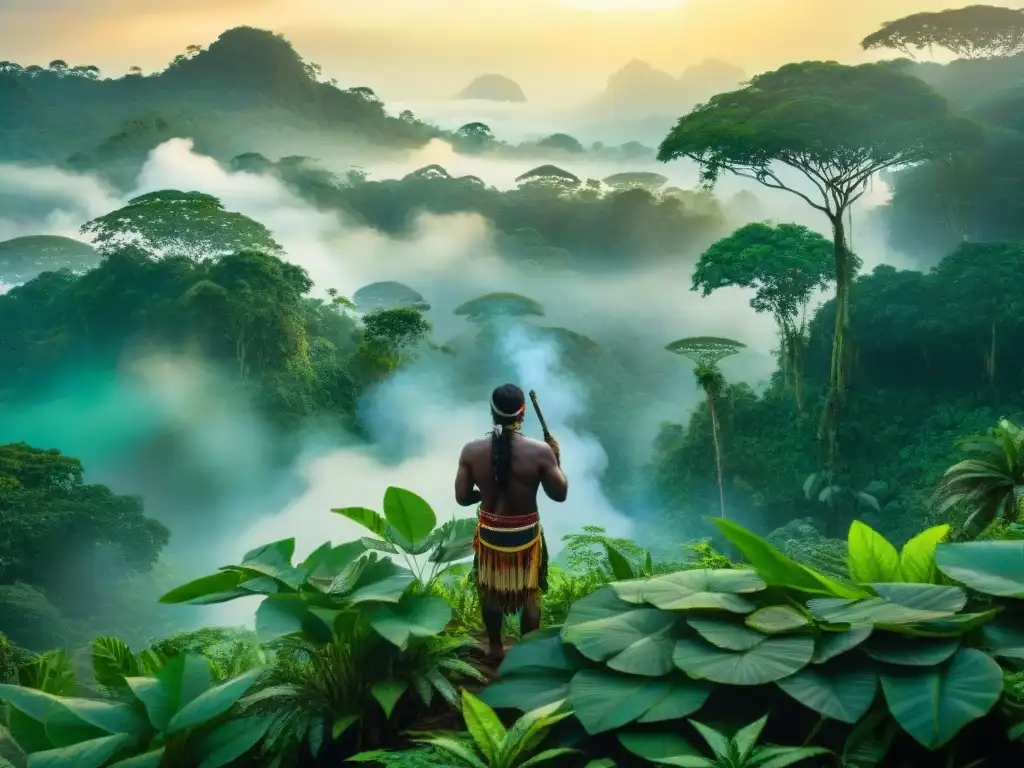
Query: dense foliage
854,603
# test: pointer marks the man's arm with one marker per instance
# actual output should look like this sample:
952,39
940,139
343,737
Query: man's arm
552,478
465,494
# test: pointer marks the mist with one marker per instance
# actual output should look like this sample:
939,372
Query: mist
419,418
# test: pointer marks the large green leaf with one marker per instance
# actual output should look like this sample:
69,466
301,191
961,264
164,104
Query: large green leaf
545,653
637,641
527,690
388,692
838,690
483,725
832,644
111,717
776,619
367,518
281,615
408,514
730,635
230,741
1004,637
414,616
216,588
870,556
896,604
619,564
337,572
917,560
85,754
36,704
603,701
454,540
684,697
990,567
382,582
275,561
159,702
778,570
152,759
658,747
695,589
910,651
213,702
934,704
766,662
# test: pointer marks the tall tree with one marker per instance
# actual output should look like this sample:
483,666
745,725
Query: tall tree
973,32
175,223
836,126
785,265
706,352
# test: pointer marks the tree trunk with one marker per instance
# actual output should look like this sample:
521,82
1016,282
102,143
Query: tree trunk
718,451
839,366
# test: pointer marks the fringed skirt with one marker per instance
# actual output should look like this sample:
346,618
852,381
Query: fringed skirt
511,560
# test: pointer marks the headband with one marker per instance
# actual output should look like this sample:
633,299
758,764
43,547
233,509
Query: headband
497,412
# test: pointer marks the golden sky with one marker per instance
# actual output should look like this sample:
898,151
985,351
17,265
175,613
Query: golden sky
434,47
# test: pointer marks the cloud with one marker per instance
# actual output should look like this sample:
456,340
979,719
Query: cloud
421,417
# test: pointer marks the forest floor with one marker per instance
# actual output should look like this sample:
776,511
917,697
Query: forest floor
449,719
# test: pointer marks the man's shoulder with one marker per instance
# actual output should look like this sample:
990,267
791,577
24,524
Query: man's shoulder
474,446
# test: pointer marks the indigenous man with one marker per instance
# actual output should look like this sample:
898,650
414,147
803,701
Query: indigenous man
511,561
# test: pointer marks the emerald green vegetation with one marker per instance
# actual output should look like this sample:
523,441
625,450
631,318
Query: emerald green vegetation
827,570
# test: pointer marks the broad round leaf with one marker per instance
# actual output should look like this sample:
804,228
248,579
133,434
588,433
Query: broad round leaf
766,662
603,701
637,642
730,635
535,655
837,690
527,691
934,704
832,644
684,697
897,604
699,589
776,619
991,567
910,651
408,514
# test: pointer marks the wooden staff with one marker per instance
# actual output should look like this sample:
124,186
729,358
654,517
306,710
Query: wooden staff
540,416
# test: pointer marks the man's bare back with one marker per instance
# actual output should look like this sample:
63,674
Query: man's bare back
534,465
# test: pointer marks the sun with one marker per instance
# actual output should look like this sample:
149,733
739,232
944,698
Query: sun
623,6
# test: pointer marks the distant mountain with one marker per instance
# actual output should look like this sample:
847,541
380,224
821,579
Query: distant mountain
493,88
640,90
248,83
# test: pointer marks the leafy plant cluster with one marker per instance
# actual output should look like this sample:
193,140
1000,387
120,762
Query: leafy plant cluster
898,660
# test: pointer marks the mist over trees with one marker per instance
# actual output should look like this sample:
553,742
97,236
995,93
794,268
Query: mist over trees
824,566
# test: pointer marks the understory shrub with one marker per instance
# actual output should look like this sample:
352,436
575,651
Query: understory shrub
908,652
